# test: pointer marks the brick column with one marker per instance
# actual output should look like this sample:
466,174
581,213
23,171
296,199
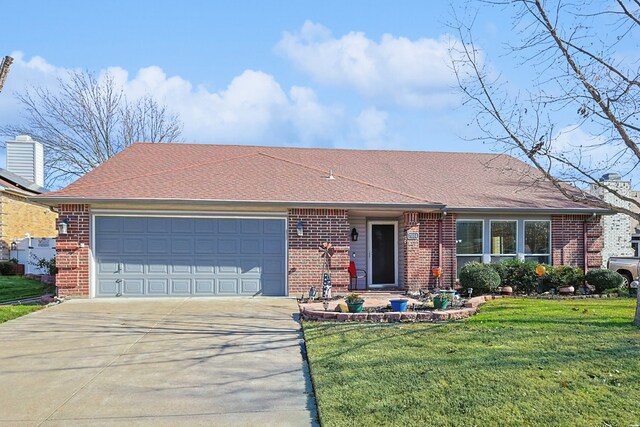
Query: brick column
415,264
73,252
568,240
305,262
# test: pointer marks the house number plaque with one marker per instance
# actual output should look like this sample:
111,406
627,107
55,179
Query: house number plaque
413,235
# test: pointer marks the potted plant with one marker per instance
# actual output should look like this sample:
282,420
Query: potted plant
399,304
354,302
442,300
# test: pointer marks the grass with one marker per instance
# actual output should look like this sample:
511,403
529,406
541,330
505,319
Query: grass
519,362
13,311
17,287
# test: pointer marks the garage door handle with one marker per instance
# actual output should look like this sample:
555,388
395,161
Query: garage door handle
118,281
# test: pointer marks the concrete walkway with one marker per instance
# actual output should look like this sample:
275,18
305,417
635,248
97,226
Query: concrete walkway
156,362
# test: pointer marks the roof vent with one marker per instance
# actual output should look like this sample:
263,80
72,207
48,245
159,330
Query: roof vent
331,174
611,176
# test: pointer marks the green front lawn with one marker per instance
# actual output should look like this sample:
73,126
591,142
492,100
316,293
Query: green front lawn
17,287
518,363
9,312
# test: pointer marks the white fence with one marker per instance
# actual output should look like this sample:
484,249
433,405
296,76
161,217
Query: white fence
28,250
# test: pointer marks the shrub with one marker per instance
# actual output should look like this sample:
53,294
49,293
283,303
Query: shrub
481,277
521,276
601,279
49,265
7,268
562,275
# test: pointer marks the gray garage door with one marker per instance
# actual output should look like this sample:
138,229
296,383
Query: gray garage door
138,256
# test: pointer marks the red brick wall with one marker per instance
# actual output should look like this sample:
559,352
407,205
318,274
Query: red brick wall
422,255
568,242
72,252
305,263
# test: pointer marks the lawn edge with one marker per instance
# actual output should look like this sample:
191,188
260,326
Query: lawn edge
313,381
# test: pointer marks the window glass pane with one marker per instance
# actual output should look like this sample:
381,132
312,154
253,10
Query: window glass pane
469,237
462,260
540,259
503,237
536,237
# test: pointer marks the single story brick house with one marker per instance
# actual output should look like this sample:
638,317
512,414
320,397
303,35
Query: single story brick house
208,220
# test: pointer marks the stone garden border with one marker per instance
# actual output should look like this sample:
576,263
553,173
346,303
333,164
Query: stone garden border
470,308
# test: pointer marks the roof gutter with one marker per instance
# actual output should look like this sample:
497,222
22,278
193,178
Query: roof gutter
576,211
56,201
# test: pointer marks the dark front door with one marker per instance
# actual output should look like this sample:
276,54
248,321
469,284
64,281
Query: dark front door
383,254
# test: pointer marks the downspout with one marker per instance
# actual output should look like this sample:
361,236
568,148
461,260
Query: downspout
440,230
584,244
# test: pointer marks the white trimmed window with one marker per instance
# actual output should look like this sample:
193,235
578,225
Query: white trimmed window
504,240
537,241
469,241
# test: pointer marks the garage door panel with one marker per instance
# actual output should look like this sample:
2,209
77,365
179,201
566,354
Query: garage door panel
273,266
228,226
205,245
134,225
158,225
251,226
107,266
133,266
250,286
109,245
107,287
272,284
111,224
134,245
157,266
204,286
158,245
227,266
206,226
157,287
250,246
189,256
273,247
180,286
205,266
182,225
180,266
182,245
133,287
227,286
227,246
273,227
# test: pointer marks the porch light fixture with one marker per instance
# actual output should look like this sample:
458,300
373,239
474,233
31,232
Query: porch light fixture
354,235
63,226
14,246
299,229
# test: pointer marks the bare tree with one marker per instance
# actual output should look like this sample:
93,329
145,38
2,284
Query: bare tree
88,120
586,63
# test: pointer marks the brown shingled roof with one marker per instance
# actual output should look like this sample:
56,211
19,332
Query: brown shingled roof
279,174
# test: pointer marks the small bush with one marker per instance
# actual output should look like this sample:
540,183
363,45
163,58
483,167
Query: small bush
481,277
521,276
49,265
601,279
562,275
7,268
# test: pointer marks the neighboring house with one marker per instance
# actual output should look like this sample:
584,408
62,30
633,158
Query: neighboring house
191,219
22,179
618,229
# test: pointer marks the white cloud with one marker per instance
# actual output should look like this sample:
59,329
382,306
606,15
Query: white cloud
252,109
371,129
410,73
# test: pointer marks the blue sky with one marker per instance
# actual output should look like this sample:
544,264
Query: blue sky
257,72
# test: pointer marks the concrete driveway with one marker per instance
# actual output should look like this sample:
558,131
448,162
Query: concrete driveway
189,361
